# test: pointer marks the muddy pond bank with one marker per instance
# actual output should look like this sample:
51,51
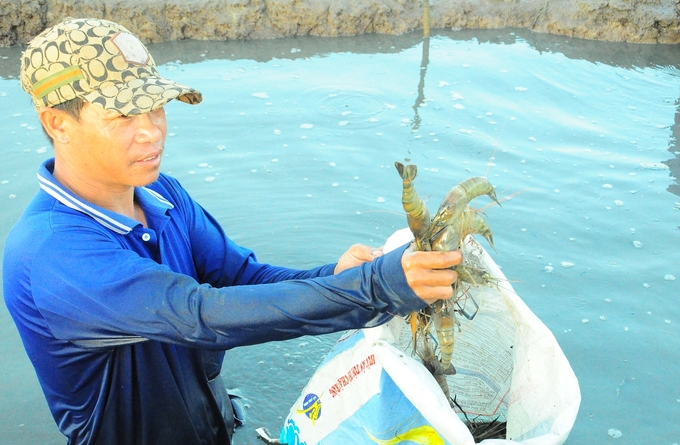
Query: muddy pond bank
645,21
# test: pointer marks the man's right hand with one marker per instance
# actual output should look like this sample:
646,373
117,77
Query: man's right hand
429,273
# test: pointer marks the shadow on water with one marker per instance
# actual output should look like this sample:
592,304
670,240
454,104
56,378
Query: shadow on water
674,162
421,85
619,54
420,99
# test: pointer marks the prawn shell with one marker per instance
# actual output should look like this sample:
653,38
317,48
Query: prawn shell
444,327
458,198
453,234
417,214
448,239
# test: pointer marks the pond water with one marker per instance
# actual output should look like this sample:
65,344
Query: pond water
293,150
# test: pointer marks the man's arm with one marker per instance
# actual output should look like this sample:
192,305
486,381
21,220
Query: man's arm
120,295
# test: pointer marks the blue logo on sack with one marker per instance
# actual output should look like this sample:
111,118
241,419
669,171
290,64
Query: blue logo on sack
311,407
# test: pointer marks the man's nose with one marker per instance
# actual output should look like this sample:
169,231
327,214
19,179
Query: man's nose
149,128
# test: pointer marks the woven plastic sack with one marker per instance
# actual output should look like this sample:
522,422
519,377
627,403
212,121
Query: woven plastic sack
370,390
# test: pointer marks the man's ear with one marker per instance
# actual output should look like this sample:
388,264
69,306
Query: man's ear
55,124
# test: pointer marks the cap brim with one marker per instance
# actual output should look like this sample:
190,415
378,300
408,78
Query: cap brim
141,96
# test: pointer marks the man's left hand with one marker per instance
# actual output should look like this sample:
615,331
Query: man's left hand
356,255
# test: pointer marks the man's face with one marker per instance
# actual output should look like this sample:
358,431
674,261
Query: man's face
116,152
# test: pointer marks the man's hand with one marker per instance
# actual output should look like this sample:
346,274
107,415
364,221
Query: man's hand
429,273
356,255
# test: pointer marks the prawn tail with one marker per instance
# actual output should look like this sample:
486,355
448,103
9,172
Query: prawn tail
474,223
407,172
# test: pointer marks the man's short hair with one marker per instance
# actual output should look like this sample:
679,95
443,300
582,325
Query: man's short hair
71,107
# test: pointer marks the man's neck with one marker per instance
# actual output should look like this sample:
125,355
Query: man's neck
120,200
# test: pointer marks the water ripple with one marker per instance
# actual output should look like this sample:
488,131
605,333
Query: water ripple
351,106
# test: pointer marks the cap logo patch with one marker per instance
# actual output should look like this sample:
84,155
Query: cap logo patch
131,48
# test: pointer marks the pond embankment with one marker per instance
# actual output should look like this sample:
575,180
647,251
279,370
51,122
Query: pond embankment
640,21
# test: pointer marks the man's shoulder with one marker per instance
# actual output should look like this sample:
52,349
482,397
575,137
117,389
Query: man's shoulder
42,219
36,220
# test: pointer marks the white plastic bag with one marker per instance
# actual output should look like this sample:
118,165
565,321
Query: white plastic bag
369,390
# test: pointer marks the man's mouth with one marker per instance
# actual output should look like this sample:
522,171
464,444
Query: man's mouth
152,157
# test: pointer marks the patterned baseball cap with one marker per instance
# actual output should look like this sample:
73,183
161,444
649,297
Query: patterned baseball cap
100,62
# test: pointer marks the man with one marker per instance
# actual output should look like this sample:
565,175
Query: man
125,292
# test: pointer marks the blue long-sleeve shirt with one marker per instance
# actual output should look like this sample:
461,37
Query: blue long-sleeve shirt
126,325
